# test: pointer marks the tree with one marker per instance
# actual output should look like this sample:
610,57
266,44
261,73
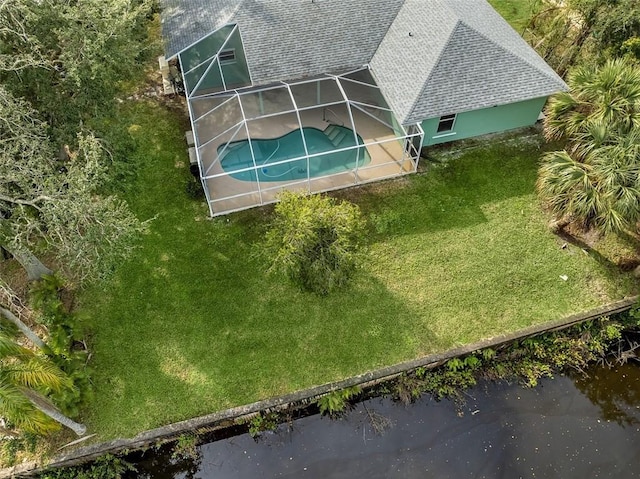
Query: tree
62,63
14,29
315,240
55,207
570,32
599,189
68,57
24,376
617,26
559,30
596,179
604,98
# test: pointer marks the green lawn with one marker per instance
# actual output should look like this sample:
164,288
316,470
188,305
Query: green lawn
516,12
192,324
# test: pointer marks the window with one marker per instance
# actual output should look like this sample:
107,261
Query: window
446,123
227,56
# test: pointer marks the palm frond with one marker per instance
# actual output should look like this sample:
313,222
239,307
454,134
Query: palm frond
19,411
35,373
9,348
609,95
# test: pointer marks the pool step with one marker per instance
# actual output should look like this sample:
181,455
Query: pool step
331,131
338,138
336,134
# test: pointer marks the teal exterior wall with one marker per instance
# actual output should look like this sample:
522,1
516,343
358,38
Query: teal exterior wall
487,120
236,74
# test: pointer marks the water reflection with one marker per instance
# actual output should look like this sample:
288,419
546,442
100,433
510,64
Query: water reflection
162,463
616,392
570,427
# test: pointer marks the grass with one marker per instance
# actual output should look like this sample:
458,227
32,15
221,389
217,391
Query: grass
516,12
192,324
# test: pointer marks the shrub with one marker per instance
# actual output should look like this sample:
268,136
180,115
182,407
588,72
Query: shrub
185,447
315,240
105,467
267,421
336,402
63,343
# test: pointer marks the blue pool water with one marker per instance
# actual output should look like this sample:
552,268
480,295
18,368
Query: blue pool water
237,155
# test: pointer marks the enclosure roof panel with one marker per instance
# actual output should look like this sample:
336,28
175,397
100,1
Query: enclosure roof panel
461,56
285,39
184,22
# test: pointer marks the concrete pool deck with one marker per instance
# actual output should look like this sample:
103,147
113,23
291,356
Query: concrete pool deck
229,194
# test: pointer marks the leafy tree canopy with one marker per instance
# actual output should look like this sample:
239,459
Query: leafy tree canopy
315,240
53,206
62,63
580,31
68,57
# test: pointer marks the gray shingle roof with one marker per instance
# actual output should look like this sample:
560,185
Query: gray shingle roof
184,22
461,56
286,39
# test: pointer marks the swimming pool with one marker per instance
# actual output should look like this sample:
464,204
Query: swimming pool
237,155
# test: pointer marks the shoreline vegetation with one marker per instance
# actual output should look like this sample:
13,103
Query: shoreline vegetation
608,341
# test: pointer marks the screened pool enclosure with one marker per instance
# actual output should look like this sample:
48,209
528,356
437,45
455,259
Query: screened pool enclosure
314,135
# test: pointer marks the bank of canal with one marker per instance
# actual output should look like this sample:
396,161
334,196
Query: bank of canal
571,427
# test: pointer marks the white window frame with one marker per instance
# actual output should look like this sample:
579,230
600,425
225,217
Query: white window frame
229,61
447,118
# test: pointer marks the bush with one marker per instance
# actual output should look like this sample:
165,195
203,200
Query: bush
315,240
65,343
185,447
105,467
267,421
336,402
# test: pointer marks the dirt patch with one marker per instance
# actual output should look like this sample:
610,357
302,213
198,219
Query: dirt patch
15,276
588,238
151,89
378,188
628,264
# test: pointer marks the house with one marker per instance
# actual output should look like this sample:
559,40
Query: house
324,94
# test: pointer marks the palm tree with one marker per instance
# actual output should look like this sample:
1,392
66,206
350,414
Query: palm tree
595,180
608,96
24,376
598,187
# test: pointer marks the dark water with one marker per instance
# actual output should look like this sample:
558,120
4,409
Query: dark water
569,427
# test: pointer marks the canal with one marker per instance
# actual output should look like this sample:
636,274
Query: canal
574,426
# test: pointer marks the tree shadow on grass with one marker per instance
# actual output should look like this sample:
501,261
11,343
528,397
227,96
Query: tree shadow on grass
267,344
449,195
569,238
614,264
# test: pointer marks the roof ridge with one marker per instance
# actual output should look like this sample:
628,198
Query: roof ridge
386,32
515,54
435,67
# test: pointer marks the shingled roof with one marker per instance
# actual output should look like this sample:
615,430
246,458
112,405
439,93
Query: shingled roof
461,56
285,39
429,57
